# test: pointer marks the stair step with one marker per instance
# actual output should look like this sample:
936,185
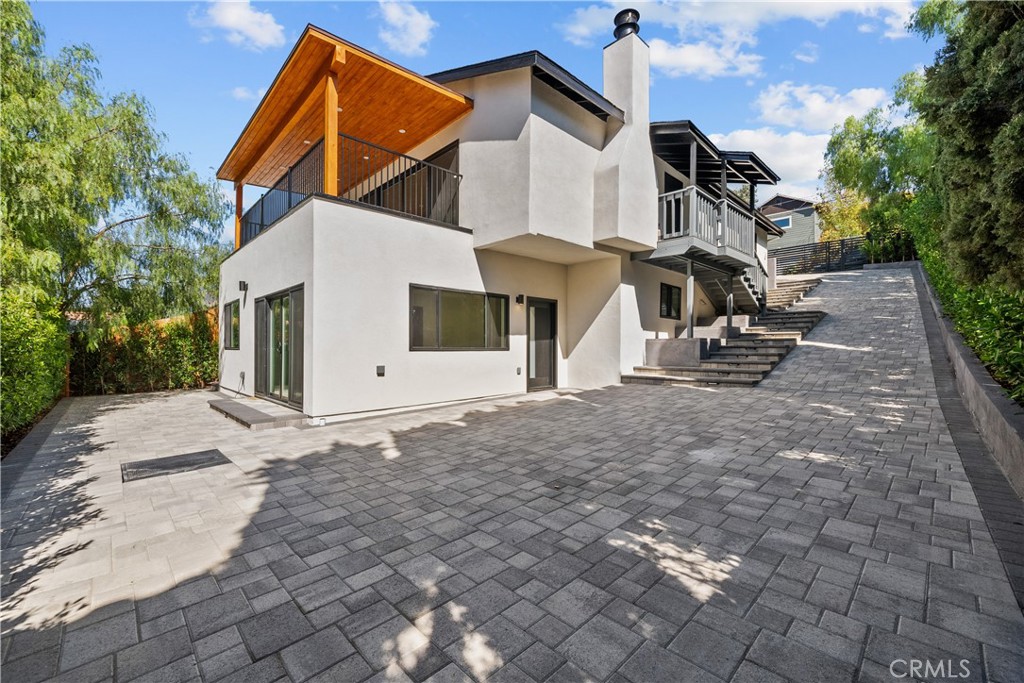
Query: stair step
702,373
696,381
757,364
756,343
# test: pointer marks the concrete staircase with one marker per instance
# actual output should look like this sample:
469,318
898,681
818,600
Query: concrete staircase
788,292
743,360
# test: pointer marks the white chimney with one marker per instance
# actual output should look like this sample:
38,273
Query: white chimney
625,185
627,69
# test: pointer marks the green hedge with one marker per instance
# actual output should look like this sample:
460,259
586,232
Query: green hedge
180,354
33,358
990,319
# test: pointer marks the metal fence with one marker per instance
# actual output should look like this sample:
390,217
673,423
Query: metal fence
844,254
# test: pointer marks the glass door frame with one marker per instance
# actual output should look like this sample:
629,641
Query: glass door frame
292,299
553,304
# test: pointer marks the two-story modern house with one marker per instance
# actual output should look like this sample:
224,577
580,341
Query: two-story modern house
487,230
796,217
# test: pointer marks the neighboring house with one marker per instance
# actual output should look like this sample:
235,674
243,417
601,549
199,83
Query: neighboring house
491,229
797,218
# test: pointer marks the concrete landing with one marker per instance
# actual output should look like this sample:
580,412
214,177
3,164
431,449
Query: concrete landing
257,414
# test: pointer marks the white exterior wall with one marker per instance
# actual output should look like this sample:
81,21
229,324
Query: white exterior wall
626,186
365,262
279,258
553,200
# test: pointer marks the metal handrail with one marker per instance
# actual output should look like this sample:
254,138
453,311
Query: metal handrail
376,176
369,175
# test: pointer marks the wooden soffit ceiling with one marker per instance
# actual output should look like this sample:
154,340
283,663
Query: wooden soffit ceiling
376,99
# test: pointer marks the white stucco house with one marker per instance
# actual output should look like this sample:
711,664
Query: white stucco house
488,230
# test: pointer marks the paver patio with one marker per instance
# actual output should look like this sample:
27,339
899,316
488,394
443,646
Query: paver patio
816,527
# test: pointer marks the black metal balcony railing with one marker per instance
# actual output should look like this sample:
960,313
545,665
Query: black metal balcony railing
378,177
303,179
369,175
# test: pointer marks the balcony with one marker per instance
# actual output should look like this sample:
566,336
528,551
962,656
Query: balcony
693,222
370,176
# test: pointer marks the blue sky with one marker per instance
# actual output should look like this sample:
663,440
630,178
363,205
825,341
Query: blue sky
772,77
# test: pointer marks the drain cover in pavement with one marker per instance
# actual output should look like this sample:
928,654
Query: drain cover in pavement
186,462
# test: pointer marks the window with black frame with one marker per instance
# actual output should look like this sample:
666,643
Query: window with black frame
456,320
671,301
232,324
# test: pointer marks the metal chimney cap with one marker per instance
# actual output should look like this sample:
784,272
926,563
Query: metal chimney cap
626,23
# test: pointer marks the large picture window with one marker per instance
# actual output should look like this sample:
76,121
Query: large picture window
231,323
454,320
671,299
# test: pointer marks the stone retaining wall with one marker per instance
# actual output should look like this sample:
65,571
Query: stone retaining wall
999,420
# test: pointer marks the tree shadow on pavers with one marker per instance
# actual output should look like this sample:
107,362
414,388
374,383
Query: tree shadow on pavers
447,557
41,519
567,537
45,483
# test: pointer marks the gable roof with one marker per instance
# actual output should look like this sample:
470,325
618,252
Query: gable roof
544,70
292,112
781,203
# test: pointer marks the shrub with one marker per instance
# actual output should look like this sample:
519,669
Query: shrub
180,353
990,318
33,358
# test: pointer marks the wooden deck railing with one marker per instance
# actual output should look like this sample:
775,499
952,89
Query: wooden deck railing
693,212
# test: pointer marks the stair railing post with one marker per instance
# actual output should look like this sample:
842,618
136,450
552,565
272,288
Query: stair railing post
689,300
728,309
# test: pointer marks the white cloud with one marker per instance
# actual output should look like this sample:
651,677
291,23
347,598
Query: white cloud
716,38
797,157
866,28
806,53
243,93
704,59
406,29
814,107
244,26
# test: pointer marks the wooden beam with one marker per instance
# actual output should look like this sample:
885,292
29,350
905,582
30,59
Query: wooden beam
331,134
238,215
693,162
338,60
291,119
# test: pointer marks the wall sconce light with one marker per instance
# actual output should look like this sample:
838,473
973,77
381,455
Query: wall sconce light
243,286
520,299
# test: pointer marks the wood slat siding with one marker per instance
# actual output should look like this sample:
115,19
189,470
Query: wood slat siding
803,229
843,254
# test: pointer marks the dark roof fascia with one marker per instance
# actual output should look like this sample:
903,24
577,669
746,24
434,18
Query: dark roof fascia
771,199
572,87
685,127
749,157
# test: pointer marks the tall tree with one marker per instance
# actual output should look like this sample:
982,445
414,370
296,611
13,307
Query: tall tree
973,99
841,210
95,215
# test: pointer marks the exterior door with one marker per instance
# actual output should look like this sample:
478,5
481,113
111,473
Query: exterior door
541,329
279,331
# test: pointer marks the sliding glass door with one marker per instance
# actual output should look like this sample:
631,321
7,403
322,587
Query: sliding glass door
279,328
